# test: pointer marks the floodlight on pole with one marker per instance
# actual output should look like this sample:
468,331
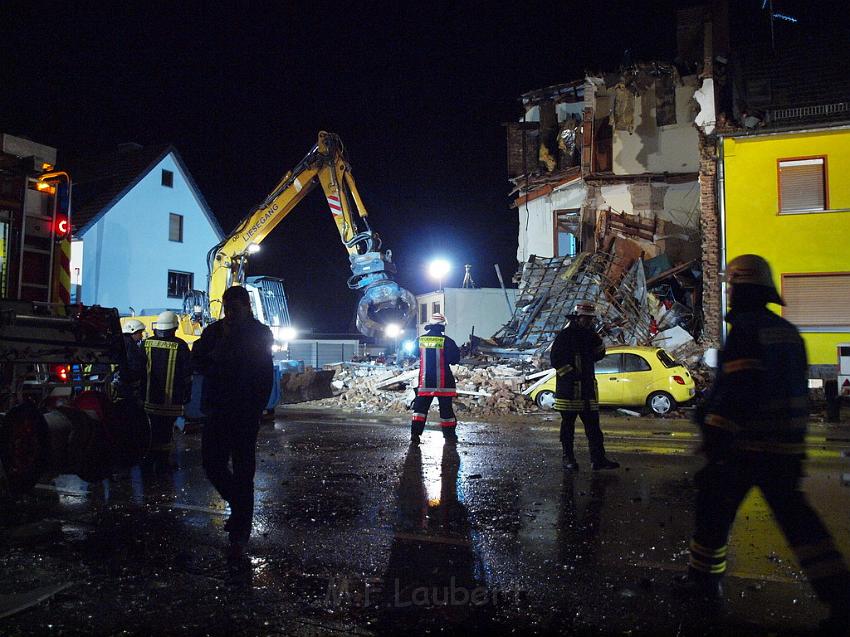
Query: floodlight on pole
438,269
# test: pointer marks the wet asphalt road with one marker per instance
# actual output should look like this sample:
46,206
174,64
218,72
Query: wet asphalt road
357,532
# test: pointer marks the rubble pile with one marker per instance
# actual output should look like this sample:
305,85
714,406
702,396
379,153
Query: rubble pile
482,390
642,297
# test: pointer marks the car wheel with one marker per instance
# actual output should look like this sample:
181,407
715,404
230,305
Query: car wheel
545,399
660,403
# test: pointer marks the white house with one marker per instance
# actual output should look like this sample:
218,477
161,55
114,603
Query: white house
483,310
141,230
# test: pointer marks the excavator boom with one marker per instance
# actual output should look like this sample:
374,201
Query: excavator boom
382,299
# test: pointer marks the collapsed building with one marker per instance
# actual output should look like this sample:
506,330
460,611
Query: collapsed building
606,185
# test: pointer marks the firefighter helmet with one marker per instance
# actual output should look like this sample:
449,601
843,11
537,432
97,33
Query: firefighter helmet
131,326
166,321
438,319
752,269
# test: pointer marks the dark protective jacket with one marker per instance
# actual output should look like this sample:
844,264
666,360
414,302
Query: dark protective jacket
169,375
235,360
573,354
436,353
132,373
759,400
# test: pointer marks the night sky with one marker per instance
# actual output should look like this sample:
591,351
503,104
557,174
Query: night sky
418,92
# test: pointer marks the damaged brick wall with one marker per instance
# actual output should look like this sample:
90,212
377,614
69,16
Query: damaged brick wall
712,306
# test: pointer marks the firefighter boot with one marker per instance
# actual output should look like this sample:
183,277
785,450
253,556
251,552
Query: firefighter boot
698,586
605,463
570,462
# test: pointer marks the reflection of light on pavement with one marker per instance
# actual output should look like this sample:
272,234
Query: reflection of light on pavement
432,454
264,483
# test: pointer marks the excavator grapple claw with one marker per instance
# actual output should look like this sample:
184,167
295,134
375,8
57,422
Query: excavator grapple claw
384,302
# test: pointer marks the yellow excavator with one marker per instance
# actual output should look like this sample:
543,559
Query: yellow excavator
326,164
382,299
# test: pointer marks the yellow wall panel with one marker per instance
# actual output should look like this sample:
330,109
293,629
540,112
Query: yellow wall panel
799,243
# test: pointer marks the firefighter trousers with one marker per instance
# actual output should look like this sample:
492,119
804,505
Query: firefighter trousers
448,421
162,432
722,486
231,441
595,440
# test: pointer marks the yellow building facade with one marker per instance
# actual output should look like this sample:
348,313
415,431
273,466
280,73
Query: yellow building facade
786,197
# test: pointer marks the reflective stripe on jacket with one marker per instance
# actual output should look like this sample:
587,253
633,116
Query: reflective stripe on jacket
436,353
573,355
169,375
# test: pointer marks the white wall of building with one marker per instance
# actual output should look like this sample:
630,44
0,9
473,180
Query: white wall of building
537,219
681,201
673,148
485,309
127,253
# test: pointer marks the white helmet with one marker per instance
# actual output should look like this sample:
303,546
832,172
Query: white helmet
131,326
438,319
166,321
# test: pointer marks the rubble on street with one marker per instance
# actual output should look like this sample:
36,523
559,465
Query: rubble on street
483,390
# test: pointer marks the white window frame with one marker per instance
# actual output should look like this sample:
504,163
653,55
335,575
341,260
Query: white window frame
172,215
824,183
191,276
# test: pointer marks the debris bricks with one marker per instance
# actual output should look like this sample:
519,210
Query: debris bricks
482,390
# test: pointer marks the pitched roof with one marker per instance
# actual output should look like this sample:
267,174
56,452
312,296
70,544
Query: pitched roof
101,182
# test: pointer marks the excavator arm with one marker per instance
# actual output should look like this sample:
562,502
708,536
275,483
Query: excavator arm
326,165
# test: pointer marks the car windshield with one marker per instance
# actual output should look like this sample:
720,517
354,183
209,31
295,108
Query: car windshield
666,359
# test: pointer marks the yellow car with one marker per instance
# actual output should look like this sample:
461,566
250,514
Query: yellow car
629,376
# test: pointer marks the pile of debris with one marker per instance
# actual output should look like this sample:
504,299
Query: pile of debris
640,295
482,390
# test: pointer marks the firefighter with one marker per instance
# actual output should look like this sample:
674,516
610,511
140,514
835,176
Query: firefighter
436,352
574,352
753,428
168,387
131,375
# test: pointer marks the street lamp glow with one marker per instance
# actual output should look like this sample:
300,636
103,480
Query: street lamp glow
438,269
392,330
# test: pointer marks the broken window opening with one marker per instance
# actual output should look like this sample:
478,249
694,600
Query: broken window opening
567,230
603,146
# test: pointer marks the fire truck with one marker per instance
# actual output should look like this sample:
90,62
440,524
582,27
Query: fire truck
43,337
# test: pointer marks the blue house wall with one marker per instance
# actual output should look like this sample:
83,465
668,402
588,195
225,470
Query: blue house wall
127,253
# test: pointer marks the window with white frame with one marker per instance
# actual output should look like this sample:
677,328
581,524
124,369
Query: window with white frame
802,185
817,302
175,227
179,283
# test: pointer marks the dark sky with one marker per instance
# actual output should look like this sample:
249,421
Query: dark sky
418,93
